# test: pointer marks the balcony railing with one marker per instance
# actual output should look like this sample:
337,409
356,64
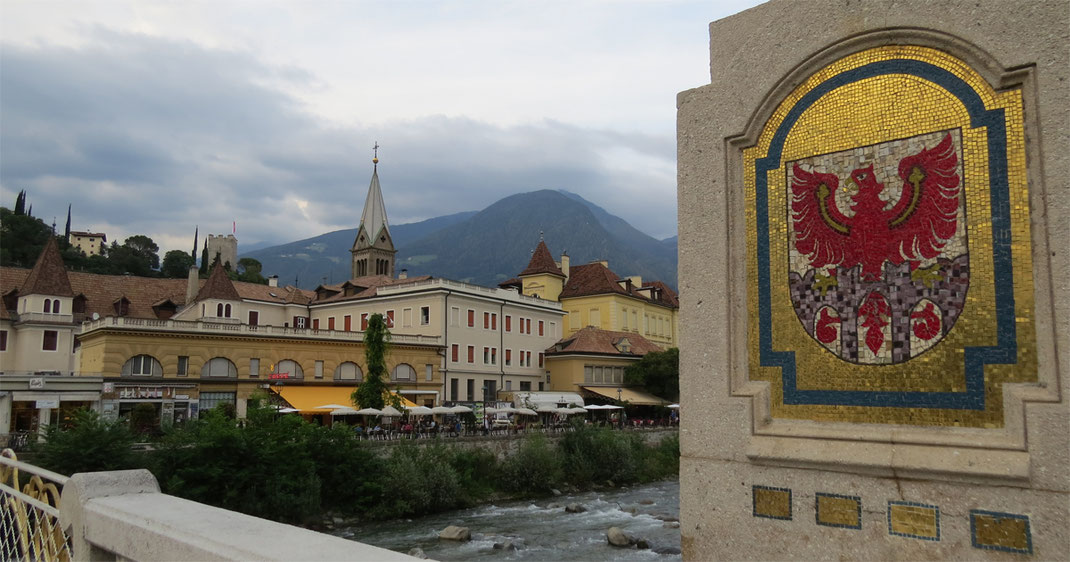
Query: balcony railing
44,318
208,327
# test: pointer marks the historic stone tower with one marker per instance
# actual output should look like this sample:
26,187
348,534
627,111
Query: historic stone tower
373,249
224,245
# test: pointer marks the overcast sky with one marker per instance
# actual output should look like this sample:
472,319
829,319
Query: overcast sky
151,118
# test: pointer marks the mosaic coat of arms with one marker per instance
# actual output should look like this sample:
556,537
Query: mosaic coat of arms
878,262
889,252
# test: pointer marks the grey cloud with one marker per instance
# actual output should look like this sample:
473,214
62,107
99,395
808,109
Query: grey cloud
156,136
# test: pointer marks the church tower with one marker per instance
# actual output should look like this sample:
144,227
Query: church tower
373,249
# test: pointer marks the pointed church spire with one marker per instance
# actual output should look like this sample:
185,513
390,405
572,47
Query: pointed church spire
374,217
373,250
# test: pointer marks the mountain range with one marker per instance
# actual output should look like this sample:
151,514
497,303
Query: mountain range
486,247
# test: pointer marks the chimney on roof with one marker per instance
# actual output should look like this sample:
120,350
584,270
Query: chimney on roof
273,281
637,280
192,286
404,274
564,264
605,263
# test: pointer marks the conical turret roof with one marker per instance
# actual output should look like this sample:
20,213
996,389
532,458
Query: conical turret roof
542,262
218,286
48,276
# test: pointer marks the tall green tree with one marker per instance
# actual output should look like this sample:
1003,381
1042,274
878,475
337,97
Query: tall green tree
176,264
22,237
248,271
658,373
20,203
370,393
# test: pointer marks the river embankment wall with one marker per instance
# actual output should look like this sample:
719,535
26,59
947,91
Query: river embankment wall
502,445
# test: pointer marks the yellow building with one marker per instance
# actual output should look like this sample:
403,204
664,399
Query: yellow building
90,243
593,295
592,361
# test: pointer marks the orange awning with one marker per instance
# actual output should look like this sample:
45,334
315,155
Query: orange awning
307,398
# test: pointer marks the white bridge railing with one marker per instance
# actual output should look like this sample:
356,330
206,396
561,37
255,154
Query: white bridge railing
121,515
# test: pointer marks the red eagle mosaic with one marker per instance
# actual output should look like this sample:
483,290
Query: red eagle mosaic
878,257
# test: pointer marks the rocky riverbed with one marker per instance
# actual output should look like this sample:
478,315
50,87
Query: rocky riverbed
543,529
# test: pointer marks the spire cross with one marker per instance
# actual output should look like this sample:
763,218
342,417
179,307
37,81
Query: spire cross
376,150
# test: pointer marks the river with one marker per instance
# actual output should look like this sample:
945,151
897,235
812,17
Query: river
541,528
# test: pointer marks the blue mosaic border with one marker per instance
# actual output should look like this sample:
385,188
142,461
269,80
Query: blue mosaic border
975,358
817,510
1000,514
914,504
754,502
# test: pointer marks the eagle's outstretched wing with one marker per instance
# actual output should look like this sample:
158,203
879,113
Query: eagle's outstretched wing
925,217
821,230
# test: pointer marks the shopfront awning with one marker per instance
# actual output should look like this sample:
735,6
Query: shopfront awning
306,398
629,395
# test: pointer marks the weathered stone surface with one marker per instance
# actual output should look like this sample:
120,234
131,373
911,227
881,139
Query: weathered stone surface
646,502
455,533
642,544
616,537
555,491
575,508
417,552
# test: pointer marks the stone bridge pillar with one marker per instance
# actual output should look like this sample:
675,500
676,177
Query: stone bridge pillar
874,278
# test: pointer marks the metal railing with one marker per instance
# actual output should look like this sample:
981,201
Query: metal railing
475,289
29,513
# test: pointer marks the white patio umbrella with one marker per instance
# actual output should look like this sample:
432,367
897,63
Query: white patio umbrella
420,411
369,412
441,410
391,411
287,410
526,412
570,411
344,412
594,407
673,406
460,410
546,409
331,406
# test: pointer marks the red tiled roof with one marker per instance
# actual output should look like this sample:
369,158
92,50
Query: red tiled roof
514,282
218,286
542,262
603,342
48,276
143,293
667,296
597,279
368,286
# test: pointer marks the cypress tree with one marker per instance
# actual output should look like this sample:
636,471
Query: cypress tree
67,231
20,203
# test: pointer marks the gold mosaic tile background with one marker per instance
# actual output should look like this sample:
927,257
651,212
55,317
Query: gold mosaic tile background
868,112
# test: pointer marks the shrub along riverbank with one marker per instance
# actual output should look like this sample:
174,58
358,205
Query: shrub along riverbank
285,469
